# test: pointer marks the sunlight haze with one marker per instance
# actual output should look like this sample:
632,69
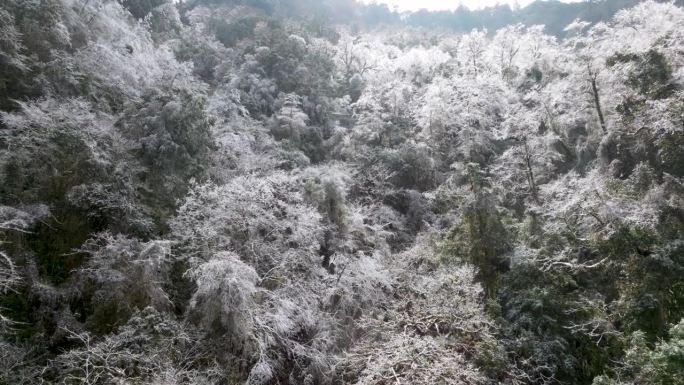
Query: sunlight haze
438,5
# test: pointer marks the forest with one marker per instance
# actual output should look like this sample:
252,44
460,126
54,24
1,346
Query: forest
325,192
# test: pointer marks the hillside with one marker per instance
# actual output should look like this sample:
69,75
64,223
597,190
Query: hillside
301,192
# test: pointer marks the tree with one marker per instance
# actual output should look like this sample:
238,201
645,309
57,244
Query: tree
14,222
149,347
658,365
277,192
555,330
13,62
290,121
480,237
238,216
121,276
141,8
172,139
356,60
473,46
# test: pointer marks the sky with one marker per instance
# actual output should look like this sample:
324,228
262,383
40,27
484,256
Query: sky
413,5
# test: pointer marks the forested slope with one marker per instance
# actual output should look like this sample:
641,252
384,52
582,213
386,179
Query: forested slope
288,192
553,14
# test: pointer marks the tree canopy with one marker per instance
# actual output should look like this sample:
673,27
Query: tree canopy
323,192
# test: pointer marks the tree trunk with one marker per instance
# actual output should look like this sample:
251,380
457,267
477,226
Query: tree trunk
530,173
597,103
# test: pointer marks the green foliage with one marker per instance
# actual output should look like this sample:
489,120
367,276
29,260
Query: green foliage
41,26
328,194
490,356
164,21
246,191
554,328
660,365
13,64
412,166
653,294
51,140
53,243
480,237
173,142
651,74
671,154
144,350
206,54
121,275
628,251
532,231
231,32
16,306
140,8
636,185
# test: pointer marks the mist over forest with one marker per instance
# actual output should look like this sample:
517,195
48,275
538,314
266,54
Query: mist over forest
271,192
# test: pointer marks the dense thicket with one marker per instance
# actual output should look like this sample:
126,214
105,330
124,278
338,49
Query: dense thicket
309,192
